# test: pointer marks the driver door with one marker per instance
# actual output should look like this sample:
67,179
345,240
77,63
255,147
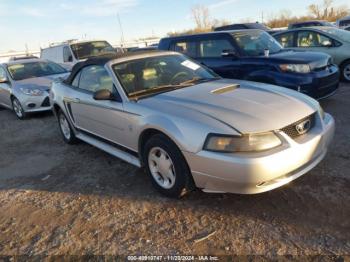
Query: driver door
211,54
102,119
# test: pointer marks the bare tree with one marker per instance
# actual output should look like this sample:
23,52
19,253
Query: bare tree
327,11
201,17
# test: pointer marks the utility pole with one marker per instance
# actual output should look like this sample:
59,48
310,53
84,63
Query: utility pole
27,49
262,17
121,30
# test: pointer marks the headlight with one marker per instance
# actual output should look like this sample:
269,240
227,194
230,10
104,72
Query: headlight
246,143
32,92
296,68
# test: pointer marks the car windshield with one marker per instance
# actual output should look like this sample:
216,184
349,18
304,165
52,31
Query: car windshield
23,71
154,75
342,34
254,43
90,49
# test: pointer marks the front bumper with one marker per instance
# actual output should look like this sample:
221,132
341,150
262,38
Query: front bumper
33,104
319,84
254,173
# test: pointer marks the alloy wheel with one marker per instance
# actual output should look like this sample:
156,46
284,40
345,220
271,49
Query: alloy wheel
65,127
162,168
346,72
17,108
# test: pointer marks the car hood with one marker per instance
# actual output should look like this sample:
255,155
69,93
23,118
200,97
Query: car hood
247,107
314,59
42,83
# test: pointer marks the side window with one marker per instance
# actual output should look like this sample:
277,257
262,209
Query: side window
286,40
95,78
67,55
214,48
2,73
312,39
187,48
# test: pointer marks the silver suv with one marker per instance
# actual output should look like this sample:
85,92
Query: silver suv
190,128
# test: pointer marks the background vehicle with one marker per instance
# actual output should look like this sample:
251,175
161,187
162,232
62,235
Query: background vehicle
245,26
309,23
143,49
71,52
256,56
344,22
330,40
188,126
16,58
25,85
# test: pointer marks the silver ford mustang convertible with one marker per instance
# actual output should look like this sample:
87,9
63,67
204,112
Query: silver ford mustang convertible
190,128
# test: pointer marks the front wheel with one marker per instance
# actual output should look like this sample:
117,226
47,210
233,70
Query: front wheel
345,70
66,129
18,109
167,167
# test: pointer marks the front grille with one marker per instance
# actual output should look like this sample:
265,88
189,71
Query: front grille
46,102
327,81
292,131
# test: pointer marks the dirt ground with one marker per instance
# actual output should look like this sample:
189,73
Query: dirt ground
57,199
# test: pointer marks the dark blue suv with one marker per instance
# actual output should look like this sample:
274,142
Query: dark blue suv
256,56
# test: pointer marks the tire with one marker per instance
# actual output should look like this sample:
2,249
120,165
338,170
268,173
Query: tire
160,156
66,129
18,109
345,71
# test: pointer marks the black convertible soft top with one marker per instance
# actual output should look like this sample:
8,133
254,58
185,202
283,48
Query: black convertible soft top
101,60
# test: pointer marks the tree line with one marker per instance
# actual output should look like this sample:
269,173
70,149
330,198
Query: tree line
326,11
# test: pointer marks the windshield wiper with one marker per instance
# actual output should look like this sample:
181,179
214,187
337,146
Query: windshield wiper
166,88
197,80
157,90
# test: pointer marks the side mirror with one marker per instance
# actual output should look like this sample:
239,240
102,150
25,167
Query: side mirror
104,94
70,58
4,80
229,53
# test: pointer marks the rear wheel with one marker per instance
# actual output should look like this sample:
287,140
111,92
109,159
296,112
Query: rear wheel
18,109
167,167
66,129
345,70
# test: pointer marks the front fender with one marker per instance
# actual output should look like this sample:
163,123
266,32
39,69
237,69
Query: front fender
169,128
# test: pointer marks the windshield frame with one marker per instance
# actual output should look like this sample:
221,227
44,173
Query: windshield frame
10,74
251,32
162,89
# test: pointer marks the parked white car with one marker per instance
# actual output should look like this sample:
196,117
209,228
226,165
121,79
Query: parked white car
69,53
25,85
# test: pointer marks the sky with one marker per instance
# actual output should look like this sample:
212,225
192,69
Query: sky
36,23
